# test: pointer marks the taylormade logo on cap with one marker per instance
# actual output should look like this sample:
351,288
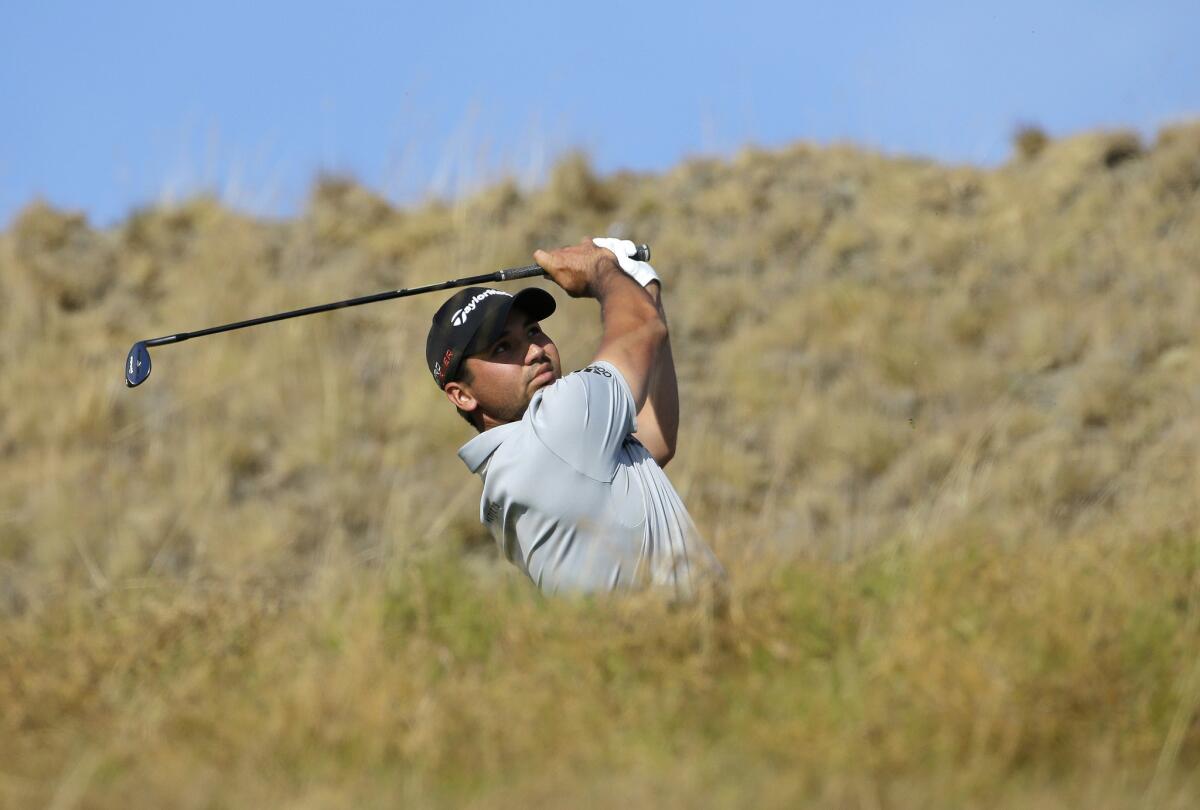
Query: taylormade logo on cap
460,316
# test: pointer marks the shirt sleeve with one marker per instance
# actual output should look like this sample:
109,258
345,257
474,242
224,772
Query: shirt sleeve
585,418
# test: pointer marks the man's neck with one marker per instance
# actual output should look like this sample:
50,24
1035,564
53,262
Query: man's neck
490,422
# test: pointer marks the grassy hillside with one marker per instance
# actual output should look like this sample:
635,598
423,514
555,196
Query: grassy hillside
939,422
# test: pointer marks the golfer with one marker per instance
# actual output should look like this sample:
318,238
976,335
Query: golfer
573,487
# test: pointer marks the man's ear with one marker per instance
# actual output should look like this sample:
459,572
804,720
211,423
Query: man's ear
460,397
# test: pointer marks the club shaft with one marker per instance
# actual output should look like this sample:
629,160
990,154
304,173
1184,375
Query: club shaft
511,274
528,271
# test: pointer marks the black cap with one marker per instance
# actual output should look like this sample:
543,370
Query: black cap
471,320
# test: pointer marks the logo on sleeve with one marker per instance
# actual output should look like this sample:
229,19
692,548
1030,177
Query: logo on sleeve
492,513
598,370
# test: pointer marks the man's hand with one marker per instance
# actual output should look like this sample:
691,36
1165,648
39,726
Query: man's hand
624,250
580,269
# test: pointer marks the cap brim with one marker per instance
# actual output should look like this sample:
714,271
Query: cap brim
536,302
533,301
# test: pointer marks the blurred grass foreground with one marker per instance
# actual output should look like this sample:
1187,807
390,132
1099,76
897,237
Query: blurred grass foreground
941,424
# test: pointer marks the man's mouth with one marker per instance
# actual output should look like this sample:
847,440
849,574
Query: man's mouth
546,375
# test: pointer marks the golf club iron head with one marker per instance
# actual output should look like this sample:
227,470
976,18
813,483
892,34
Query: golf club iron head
137,365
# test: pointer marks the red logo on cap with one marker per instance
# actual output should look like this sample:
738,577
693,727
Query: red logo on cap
443,366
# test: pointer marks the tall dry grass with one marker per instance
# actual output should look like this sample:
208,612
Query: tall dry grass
939,422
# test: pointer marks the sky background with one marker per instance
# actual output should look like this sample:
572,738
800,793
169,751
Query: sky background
109,106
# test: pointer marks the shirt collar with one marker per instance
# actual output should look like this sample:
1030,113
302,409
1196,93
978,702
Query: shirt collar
475,452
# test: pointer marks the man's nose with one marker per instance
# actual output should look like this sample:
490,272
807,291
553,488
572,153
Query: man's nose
535,354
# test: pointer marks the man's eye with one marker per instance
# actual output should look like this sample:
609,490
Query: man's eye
501,348
535,330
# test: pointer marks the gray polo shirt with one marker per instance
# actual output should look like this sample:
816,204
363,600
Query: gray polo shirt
576,502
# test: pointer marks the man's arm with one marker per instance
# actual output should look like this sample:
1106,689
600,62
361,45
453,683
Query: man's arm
658,420
633,326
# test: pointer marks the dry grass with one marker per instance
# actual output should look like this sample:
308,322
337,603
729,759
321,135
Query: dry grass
939,422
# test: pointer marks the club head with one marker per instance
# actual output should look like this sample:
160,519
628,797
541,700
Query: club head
137,365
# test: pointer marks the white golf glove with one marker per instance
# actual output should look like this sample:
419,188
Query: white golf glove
623,249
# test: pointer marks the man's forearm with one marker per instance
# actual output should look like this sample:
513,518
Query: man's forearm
658,420
633,330
633,325
624,306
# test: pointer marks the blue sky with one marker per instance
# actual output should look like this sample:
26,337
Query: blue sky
108,106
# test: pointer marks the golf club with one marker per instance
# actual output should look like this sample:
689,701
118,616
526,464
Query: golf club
137,363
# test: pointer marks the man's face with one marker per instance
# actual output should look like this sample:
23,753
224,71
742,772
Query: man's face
501,380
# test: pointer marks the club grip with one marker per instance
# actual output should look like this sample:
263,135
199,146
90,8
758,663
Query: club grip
522,272
642,254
